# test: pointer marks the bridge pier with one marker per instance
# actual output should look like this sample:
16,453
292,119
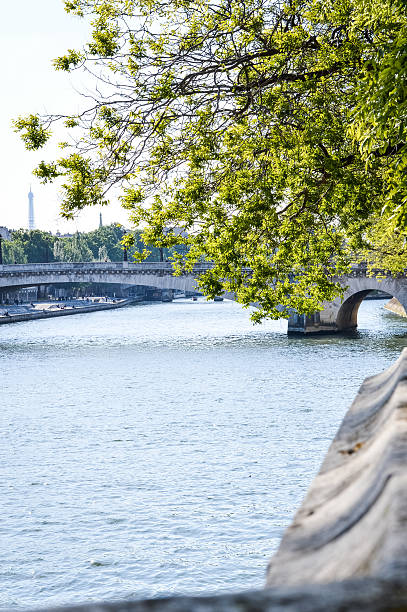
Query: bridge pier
341,315
317,323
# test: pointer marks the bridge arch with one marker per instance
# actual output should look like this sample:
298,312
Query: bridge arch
153,274
358,287
342,313
347,317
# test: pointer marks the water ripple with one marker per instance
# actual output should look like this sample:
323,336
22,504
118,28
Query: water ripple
162,449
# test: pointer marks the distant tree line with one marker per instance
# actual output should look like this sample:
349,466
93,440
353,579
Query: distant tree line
102,244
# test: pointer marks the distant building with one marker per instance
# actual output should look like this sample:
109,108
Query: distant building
59,235
100,220
5,233
31,222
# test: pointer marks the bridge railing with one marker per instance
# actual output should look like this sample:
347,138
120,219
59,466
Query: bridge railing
96,266
119,265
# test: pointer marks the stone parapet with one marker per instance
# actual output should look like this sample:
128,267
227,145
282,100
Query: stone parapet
349,596
353,521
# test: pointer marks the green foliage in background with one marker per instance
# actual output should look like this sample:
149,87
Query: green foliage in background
272,133
13,252
28,246
104,243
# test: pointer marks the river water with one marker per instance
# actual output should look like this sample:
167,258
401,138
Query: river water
162,449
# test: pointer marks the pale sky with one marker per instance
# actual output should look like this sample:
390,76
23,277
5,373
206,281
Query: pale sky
32,34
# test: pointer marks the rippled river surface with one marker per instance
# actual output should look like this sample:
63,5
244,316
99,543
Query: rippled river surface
162,449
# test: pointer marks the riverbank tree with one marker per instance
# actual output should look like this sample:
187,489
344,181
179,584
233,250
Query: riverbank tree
28,246
272,133
36,246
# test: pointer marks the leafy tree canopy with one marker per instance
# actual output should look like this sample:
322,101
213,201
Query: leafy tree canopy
29,246
272,132
35,246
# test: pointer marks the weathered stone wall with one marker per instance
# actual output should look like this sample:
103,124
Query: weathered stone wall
353,521
351,596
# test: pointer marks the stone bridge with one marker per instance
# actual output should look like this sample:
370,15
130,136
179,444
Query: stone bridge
342,314
159,275
339,315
